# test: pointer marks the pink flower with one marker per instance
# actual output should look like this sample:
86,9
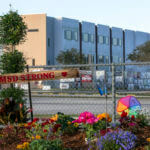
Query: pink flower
91,120
86,117
131,124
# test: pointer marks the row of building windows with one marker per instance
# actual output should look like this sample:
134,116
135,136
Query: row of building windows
103,39
105,59
89,59
86,37
71,35
116,59
116,42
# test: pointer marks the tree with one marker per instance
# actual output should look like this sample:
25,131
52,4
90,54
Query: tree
12,103
70,57
141,53
12,29
13,62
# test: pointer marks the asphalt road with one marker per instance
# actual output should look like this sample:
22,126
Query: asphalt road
71,105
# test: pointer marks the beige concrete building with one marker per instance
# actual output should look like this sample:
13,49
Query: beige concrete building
34,48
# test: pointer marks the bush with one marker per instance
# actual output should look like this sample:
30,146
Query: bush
12,106
66,125
13,62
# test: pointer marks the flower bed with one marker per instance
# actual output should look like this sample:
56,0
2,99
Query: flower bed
87,132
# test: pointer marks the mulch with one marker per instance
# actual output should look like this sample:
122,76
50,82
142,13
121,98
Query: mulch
77,140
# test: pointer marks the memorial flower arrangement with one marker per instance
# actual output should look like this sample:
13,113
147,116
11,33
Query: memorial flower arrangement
98,131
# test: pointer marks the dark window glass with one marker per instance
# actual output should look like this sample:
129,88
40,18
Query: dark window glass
48,42
33,62
33,30
101,59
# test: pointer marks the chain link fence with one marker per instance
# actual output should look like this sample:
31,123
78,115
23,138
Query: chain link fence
75,95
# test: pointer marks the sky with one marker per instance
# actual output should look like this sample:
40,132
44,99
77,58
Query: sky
126,14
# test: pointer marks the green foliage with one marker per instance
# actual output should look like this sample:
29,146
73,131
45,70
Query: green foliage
46,145
141,53
13,62
37,129
142,119
12,32
12,106
67,127
147,147
70,57
12,28
15,93
92,129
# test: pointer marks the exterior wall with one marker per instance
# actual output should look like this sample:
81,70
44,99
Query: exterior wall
50,41
117,50
103,48
35,45
61,43
140,38
45,44
129,43
88,48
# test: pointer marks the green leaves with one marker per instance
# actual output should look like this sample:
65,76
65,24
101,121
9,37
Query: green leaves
13,62
46,145
12,29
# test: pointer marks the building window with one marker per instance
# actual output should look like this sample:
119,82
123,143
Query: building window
33,30
107,59
100,39
101,59
91,38
114,41
106,40
48,62
75,35
93,60
120,60
115,59
119,42
48,42
33,62
67,34
85,37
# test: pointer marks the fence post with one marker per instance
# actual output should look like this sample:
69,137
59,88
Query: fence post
113,92
30,99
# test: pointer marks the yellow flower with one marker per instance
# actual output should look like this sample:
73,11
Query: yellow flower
32,137
20,146
55,117
25,125
148,139
76,124
69,122
100,117
103,116
26,144
38,137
